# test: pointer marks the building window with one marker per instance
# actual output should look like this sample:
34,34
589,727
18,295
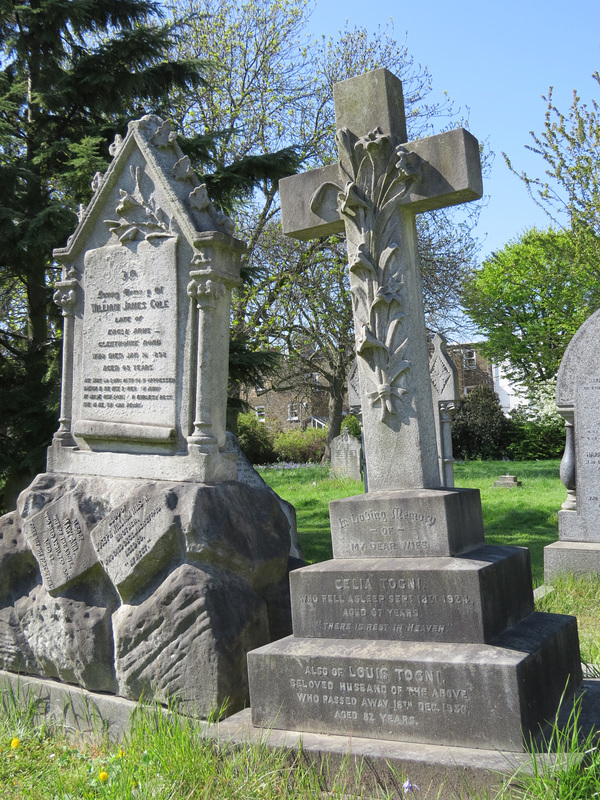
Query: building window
260,413
293,412
469,359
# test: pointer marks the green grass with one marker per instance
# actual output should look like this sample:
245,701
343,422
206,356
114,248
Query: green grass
164,757
527,516
168,758
580,597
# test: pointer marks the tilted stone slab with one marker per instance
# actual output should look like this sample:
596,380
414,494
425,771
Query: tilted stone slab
444,599
58,539
488,696
139,538
406,524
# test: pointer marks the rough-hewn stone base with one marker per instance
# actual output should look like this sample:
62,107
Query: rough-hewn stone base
153,588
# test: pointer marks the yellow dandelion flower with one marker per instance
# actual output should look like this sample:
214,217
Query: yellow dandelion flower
15,743
103,776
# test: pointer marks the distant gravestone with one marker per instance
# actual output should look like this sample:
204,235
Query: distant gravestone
416,630
507,482
578,401
445,393
345,456
139,564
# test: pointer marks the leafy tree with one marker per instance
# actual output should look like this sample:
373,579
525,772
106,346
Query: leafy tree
70,74
569,192
479,428
272,89
531,438
256,438
305,310
528,300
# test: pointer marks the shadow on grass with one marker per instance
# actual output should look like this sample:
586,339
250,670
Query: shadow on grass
532,528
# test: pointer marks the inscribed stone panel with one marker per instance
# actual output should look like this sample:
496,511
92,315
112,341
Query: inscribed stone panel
130,347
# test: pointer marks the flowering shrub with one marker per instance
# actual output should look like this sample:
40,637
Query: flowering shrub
301,446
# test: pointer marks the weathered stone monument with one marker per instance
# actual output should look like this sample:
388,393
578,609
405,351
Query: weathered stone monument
416,631
345,456
578,401
138,564
445,394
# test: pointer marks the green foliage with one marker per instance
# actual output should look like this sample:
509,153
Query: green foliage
301,447
531,439
527,301
524,517
569,192
580,596
351,422
256,439
479,428
164,755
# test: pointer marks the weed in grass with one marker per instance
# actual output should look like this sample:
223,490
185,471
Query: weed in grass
570,772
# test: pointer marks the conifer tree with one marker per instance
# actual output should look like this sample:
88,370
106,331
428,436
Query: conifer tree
72,74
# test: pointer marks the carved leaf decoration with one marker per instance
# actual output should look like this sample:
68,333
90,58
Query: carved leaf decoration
345,140
316,201
350,200
387,254
146,218
164,136
397,364
393,327
362,261
391,291
182,169
368,341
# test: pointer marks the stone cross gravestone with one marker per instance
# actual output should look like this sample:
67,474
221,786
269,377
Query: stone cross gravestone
138,564
445,394
416,630
578,401
345,456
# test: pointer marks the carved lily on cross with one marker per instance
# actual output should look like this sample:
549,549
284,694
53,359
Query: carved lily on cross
379,174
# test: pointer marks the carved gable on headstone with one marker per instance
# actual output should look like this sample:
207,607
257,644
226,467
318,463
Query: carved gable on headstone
146,281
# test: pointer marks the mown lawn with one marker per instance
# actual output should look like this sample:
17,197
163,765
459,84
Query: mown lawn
527,516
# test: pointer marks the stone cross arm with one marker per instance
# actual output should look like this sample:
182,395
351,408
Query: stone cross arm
450,174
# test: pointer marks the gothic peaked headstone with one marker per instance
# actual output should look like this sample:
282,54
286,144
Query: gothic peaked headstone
345,456
445,393
416,630
145,294
138,564
578,401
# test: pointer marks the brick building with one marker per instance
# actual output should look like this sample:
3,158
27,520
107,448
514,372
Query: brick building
308,405
290,409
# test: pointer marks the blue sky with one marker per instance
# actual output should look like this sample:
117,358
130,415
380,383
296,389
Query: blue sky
496,58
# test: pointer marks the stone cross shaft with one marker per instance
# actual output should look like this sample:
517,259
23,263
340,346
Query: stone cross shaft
374,192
